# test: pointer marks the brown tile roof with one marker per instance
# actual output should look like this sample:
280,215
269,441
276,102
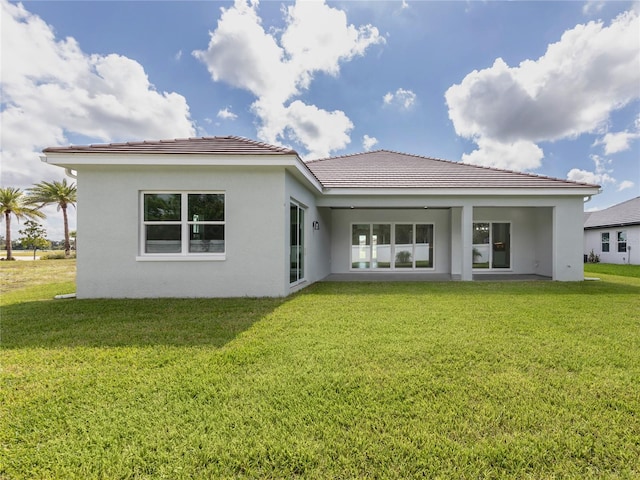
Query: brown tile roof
203,145
387,169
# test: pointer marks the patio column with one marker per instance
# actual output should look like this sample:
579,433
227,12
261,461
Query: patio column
467,243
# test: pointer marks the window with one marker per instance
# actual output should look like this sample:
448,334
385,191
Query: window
391,246
296,217
622,242
604,240
491,245
180,223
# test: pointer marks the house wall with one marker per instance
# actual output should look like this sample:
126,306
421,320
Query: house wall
592,241
531,238
342,219
317,253
109,233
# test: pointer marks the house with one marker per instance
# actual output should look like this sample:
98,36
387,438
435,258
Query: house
228,216
614,233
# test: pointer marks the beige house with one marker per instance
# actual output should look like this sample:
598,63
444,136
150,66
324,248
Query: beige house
228,216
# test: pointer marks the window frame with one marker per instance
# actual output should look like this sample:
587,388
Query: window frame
603,242
185,226
299,237
392,247
490,266
621,243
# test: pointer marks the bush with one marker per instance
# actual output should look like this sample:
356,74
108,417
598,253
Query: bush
593,257
56,256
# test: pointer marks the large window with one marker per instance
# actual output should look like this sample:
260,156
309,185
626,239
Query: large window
182,223
604,241
622,241
391,246
296,244
491,245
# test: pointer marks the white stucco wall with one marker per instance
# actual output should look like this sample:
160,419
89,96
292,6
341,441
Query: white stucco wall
317,253
567,237
109,229
531,239
592,241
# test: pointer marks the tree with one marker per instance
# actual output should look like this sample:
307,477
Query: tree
35,237
60,194
13,201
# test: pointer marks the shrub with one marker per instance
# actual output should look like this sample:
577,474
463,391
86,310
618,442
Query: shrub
593,257
56,256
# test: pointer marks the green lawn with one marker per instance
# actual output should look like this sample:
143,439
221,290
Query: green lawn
342,380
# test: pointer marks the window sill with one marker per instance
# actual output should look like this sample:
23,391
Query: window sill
181,258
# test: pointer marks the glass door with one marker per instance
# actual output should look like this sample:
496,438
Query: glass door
296,255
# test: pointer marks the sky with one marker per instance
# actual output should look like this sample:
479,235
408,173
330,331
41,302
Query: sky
550,88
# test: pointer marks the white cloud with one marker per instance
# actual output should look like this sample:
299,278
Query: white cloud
316,38
625,184
598,177
226,114
369,142
617,142
178,56
572,89
62,91
490,153
402,98
592,6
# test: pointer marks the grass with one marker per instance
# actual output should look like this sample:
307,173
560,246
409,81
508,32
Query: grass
342,380
612,269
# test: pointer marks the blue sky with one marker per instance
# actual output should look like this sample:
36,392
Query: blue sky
551,88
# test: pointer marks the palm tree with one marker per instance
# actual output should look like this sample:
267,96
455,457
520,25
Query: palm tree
60,194
13,201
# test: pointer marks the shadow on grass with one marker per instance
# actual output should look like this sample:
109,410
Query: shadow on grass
129,322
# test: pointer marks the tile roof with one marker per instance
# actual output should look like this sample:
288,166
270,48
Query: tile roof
625,213
379,169
229,145
387,169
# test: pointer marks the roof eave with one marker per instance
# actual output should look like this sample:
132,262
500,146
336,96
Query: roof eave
562,190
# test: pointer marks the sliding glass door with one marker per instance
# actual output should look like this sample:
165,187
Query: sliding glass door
491,245
296,255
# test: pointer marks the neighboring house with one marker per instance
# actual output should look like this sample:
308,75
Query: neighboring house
227,216
614,233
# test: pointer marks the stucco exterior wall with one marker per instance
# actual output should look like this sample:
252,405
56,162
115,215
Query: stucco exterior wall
109,233
592,241
317,252
530,237
568,223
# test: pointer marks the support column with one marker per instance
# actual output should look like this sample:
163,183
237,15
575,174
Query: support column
467,243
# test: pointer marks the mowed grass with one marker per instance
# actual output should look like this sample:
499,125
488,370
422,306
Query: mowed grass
342,380
612,269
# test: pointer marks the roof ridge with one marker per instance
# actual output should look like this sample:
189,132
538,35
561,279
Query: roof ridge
453,162
174,141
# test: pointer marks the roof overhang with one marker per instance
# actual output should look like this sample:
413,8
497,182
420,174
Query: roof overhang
291,162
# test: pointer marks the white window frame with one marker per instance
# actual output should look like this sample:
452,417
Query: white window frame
300,209
603,243
185,223
491,268
619,242
392,267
